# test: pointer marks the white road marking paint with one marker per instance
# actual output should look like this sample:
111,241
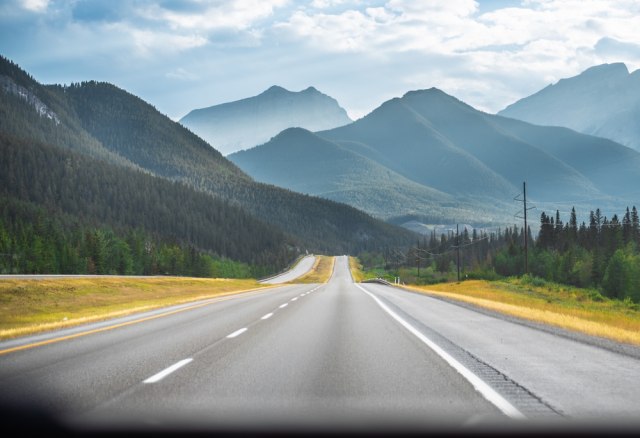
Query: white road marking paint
282,306
294,298
267,316
482,387
237,333
164,373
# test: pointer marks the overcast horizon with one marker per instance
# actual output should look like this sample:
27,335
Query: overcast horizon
182,55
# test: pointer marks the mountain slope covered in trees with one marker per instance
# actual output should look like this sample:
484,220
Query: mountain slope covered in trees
82,191
441,142
112,153
117,118
302,161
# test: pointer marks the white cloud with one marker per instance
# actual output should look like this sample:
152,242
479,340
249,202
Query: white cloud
347,31
182,75
323,4
36,5
430,10
240,15
541,39
148,42
363,51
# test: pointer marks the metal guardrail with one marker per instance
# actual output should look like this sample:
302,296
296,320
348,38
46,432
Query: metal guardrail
287,269
378,280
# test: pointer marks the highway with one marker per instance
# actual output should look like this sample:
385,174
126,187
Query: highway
301,268
335,356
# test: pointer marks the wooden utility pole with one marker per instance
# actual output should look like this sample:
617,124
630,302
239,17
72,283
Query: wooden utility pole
458,249
526,234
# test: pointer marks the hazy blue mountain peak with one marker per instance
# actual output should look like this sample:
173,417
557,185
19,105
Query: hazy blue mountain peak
603,100
433,91
245,123
275,90
433,96
615,68
295,131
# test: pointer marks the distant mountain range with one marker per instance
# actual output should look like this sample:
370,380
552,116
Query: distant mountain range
424,158
302,161
429,153
603,100
94,154
245,123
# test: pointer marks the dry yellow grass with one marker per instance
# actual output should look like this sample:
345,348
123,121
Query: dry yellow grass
567,308
320,272
29,306
356,269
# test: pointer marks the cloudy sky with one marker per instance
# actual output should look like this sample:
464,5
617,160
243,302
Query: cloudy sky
180,55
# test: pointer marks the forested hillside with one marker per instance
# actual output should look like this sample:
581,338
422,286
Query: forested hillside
92,160
81,192
119,120
32,111
302,161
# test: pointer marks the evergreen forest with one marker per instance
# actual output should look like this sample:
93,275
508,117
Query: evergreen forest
601,253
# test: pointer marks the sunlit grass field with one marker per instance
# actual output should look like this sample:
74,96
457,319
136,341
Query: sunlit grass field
580,310
567,307
29,306
356,270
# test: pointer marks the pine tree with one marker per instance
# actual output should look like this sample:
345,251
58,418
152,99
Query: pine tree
573,227
635,225
626,227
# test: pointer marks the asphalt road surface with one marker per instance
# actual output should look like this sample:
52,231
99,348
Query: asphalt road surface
301,268
320,357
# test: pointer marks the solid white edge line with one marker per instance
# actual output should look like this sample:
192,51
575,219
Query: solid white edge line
482,387
164,373
282,306
237,333
267,316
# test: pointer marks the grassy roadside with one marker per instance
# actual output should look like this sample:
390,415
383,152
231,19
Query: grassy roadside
562,306
31,306
571,308
356,269
320,272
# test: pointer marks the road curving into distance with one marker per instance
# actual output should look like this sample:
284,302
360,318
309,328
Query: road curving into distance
322,357
302,267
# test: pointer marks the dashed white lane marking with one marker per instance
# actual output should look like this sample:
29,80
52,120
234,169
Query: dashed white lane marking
294,298
237,333
480,385
164,373
282,306
267,316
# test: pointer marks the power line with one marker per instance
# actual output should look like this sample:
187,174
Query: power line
526,228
